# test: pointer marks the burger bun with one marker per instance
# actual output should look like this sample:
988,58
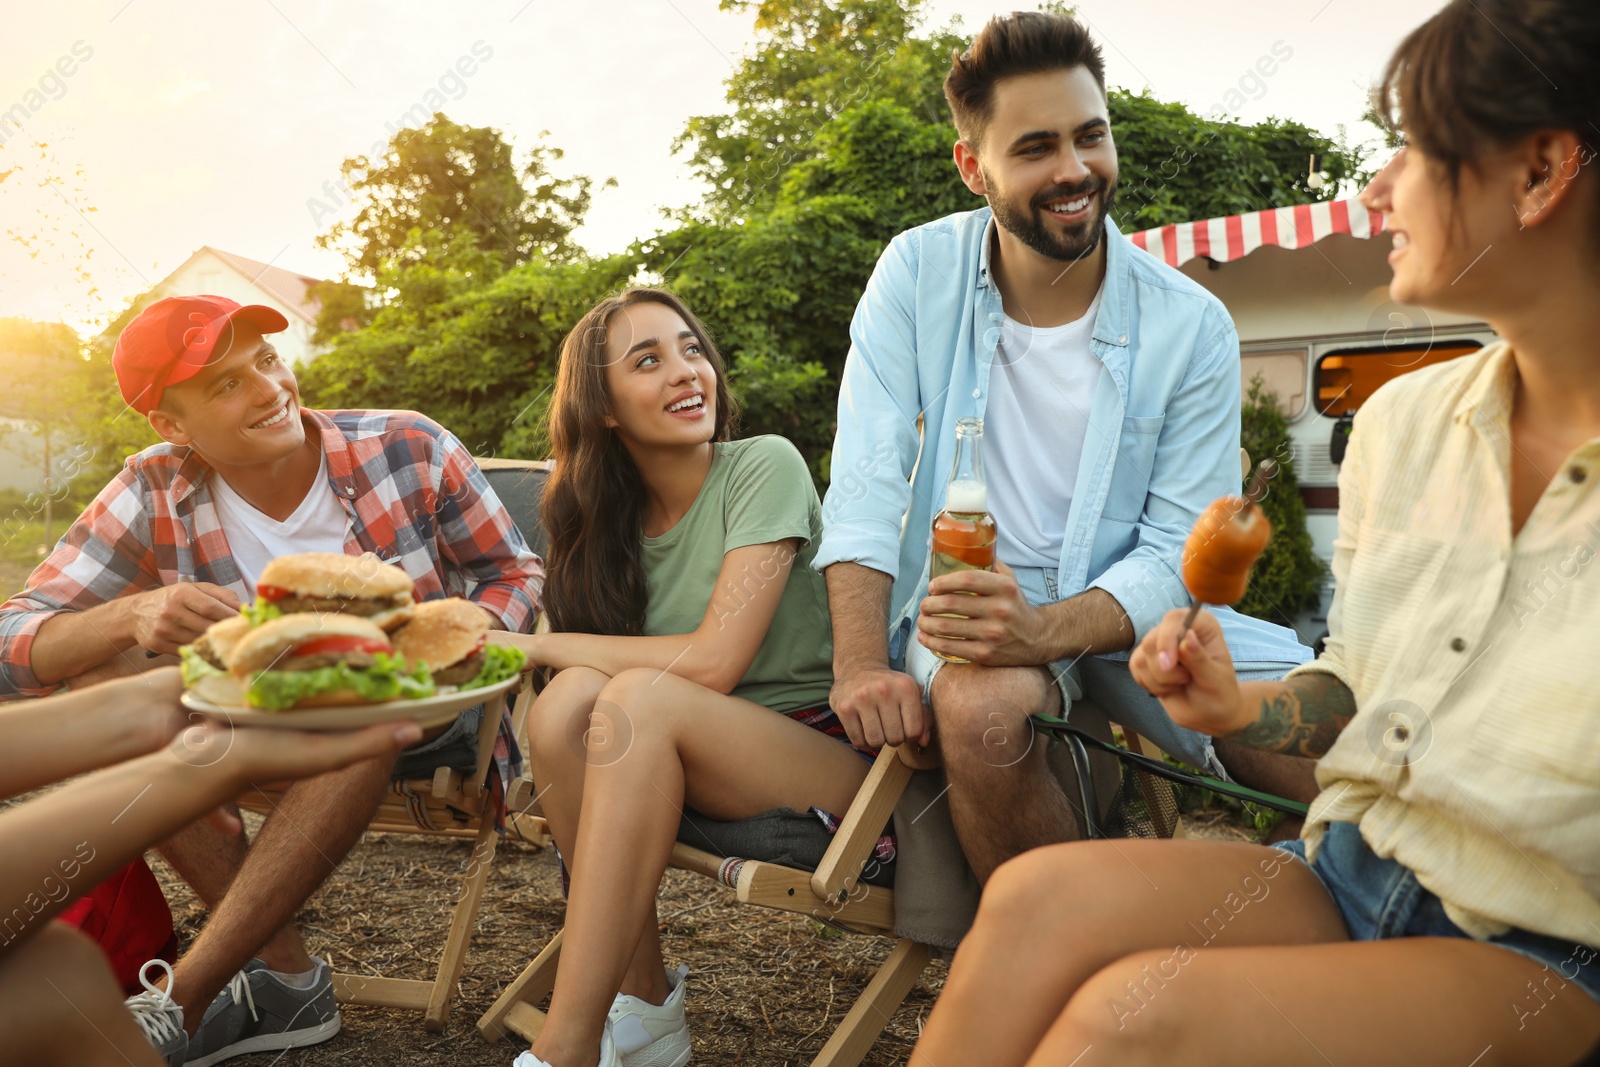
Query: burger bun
277,639
442,632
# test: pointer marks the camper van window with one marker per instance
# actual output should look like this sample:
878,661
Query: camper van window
1346,379
1283,371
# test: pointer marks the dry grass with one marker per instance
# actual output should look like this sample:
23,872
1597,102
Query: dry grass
765,987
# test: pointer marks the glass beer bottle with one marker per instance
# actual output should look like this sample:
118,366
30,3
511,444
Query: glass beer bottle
964,532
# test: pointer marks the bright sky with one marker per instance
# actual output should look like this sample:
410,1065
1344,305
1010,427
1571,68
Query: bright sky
228,129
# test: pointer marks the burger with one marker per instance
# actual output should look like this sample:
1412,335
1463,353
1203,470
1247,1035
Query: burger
451,638
305,660
208,654
329,582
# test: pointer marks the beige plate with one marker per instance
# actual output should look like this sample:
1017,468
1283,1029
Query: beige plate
221,698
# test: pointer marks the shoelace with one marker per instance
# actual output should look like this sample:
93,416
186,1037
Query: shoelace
239,989
154,1010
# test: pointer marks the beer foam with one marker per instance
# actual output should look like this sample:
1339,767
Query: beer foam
967,497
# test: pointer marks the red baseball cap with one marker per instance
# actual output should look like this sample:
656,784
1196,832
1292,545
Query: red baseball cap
173,339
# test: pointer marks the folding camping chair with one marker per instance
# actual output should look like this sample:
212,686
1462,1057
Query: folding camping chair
451,803
833,893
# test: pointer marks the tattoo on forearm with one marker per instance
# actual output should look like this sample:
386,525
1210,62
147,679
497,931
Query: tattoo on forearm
1303,718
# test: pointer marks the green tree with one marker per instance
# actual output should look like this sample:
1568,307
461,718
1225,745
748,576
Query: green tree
110,429
42,386
452,180
1289,575
814,59
478,356
1175,166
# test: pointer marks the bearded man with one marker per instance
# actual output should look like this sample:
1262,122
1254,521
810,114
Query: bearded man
1109,386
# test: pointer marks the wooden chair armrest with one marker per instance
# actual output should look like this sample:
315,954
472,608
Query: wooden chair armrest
488,730
852,845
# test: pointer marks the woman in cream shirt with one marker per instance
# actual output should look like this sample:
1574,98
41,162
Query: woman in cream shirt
1444,903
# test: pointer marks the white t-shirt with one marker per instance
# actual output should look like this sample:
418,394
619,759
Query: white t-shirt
1040,387
319,524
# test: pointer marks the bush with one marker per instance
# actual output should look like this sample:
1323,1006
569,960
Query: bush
1288,577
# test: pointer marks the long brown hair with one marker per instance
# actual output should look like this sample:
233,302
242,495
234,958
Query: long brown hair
593,505
1481,74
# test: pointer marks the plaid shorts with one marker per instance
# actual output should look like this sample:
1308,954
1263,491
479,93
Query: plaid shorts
822,718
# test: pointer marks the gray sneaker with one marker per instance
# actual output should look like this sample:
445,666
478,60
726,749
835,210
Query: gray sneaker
159,1016
258,1013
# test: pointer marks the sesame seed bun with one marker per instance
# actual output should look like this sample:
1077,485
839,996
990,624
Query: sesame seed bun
442,633
265,645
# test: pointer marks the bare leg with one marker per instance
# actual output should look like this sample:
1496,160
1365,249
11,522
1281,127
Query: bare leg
1051,919
678,743
60,1005
208,859
559,724
1393,1003
1003,798
299,845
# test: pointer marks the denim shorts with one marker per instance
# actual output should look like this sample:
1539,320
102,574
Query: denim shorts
1381,898
1104,680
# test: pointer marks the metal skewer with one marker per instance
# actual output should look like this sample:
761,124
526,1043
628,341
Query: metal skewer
1252,496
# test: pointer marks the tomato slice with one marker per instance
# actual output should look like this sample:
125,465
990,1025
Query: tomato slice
336,644
271,592
482,641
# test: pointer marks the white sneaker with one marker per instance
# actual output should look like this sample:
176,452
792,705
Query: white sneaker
159,1016
608,1053
650,1035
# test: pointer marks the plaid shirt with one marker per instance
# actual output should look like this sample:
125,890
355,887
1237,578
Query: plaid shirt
411,491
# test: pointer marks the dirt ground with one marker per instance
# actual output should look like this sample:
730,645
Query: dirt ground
765,987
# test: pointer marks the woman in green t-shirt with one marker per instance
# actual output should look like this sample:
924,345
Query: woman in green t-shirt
693,650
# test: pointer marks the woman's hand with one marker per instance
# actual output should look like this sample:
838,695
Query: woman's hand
1192,677
247,756
529,643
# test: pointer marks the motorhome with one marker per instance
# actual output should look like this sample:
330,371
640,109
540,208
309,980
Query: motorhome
1308,289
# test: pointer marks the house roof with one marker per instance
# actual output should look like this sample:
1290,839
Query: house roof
287,285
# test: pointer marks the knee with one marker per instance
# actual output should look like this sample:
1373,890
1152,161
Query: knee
69,961
983,712
64,949
636,692
1134,1009
1026,889
560,713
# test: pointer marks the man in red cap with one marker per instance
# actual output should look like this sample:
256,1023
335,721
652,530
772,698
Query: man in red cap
176,542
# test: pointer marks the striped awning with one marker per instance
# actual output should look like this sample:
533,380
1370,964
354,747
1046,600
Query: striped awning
1237,236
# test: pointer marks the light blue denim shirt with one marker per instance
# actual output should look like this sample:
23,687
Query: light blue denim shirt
1162,443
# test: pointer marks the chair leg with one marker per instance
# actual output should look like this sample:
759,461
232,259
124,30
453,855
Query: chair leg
461,925
875,1007
529,988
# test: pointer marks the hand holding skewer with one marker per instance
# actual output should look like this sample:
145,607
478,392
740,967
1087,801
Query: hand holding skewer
1226,541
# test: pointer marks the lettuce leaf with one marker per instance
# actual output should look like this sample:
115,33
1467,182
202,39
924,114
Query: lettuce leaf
193,667
261,611
499,663
387,679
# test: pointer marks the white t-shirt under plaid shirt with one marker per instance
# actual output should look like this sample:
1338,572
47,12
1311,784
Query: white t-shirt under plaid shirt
1474,755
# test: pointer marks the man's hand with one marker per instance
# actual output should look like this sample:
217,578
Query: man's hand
174,615
1001,628
1193,678
879,706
